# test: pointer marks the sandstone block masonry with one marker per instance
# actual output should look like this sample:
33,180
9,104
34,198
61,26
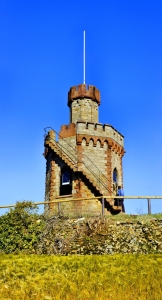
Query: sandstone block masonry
83,103
86,159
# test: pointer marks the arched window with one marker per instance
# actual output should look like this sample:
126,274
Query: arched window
115,175
115,181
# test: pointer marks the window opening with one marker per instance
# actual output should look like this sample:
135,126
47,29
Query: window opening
115,175
65,178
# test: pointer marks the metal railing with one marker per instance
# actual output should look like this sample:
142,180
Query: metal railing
88,166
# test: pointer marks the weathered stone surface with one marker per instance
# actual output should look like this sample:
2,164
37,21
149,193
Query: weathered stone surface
100,235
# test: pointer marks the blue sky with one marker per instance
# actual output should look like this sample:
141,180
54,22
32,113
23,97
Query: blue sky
41,57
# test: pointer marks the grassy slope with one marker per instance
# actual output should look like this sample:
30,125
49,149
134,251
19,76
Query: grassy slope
122,217
121,277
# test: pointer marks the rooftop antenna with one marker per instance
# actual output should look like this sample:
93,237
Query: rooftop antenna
84,57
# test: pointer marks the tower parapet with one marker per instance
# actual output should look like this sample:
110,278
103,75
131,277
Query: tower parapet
82,91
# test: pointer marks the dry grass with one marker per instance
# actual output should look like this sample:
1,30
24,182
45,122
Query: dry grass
117,277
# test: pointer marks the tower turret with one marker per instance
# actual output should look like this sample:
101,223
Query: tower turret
83,101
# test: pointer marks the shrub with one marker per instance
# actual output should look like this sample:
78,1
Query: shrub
20,228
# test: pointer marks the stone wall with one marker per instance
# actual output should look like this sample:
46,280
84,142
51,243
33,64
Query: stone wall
84,110
95,157
102,235
79,208
116,161
95,163
52,183
68,145
80,189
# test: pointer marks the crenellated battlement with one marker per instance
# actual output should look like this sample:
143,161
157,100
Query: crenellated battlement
68,130
97,130
100,130
82,91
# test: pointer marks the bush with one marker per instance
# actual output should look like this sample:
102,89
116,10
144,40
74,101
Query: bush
20,228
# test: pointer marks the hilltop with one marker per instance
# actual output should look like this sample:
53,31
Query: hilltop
22,230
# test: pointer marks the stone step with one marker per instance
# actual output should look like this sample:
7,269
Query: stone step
110,201
117,208
106,212
62,155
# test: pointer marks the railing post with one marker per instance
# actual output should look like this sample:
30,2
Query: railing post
99,179
149,206
103,206
59,207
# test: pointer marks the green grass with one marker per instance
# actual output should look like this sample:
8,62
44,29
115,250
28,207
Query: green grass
142,217
116,277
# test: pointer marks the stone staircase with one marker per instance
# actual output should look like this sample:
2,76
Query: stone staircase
76,166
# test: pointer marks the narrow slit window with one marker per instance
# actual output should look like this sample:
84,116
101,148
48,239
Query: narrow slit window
115,175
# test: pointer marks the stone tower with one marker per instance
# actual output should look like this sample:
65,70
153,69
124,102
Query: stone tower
85,158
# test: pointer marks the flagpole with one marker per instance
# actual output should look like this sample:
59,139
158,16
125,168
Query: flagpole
84,57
